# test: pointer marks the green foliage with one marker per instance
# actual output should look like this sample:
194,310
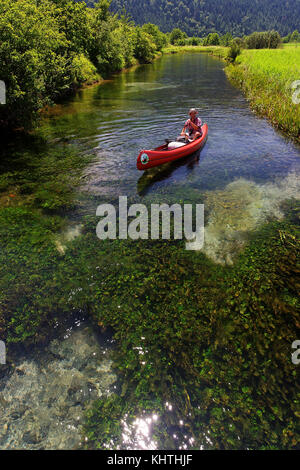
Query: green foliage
144,48
177,37
212,39
226,40
158,38
233,52
201,17
287,38
265,40
295,36
30,58
84,71
266,77
194,41
51,47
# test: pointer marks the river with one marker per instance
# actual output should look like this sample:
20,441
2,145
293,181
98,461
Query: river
243,175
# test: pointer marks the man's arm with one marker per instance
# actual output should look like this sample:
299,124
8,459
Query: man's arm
195,126
183,130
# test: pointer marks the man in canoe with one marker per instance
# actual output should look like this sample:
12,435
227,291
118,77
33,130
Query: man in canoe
192,128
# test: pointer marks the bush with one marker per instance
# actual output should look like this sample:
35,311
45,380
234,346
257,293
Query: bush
287,38
264,40
144,48
84,71
233,52
177,35
180,42
226,40
158,38
193,41
240,42
295,36
212,39
33,60
51,47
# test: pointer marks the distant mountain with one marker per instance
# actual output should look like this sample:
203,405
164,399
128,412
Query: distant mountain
200,17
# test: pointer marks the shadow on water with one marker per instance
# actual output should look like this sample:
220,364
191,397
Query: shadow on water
163,172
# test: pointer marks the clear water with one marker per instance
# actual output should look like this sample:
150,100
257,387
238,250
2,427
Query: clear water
140,108
245,161
243,174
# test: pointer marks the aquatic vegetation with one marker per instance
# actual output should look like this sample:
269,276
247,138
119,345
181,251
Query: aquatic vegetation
266,77
38,176
44,398
213,343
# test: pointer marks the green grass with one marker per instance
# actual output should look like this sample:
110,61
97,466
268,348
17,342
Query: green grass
219,51
291,45
266,76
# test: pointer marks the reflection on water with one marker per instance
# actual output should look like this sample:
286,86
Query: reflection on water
160,173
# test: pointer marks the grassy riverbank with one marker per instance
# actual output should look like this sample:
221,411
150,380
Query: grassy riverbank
266,77
218,51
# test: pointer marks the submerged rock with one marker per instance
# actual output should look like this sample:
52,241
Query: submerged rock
43,401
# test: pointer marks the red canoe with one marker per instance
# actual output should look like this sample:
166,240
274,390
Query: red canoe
160,155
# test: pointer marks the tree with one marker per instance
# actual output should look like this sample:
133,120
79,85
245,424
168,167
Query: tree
33,59
144,48
226,40
263,40
295,37
158,38
201,17
177,35
212,39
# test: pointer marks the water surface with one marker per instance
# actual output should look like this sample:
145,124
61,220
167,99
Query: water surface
244,173
245,161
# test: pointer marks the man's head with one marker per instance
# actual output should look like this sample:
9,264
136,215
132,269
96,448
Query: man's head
193,112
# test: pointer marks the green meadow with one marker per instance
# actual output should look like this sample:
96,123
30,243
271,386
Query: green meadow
219,51
266,76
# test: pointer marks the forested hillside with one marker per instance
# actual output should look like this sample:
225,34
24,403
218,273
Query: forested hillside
200,17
